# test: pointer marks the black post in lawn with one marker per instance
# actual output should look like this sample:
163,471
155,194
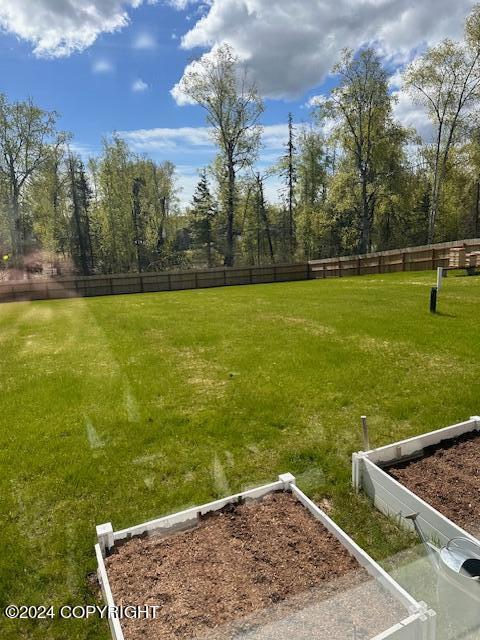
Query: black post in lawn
433,300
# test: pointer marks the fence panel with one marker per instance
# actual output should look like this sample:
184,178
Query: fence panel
409,259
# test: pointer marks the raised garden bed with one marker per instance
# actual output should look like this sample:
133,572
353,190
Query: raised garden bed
267,563
448,478
434,475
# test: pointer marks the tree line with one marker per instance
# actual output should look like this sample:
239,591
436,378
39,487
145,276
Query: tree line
353,178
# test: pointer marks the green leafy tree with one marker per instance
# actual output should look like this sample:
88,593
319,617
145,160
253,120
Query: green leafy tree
218,83
47,197
114,220
361,108
311,188
27,135
446,81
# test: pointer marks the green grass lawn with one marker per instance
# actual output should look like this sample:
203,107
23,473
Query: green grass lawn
125,408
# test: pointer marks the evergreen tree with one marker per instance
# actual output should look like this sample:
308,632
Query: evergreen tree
80,195
204,214
263,224
289,173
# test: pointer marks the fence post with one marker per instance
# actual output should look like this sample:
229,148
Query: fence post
339,268
404,260
274,273
111,285
141,283
380,264
196,279
169,281
359,266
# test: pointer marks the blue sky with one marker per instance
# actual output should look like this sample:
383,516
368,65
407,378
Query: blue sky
113,69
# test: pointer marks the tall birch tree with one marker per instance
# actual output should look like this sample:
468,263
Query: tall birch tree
446,81
27,135
222,87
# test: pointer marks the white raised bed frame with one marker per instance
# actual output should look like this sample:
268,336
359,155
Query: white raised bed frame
395,500
419,625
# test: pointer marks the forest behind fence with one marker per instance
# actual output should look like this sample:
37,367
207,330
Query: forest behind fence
409,259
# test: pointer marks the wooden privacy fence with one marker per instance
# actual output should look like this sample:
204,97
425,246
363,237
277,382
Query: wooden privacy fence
74,286
412,259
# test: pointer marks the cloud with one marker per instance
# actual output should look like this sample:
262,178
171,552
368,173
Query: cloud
180,97
181,5
144,41
315,101
291,45
59,27
193,138
102,66
412,115
139,86
160,139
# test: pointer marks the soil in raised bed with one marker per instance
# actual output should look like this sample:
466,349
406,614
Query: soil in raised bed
447,476
264,569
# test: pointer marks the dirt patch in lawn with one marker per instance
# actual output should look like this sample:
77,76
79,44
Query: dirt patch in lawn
448,478
264,569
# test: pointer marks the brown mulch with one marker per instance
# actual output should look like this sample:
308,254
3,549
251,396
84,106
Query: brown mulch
448,478
247,559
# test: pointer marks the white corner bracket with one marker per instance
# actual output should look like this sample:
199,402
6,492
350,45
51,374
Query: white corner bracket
477,421
105,537
288,479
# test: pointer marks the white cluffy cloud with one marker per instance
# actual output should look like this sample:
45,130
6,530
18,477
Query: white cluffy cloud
291,45
194,138
139,86
59,27
181,5
412,115
160,139
406,111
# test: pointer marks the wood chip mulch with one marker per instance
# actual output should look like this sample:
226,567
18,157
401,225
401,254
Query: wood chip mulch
220,579
448,478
